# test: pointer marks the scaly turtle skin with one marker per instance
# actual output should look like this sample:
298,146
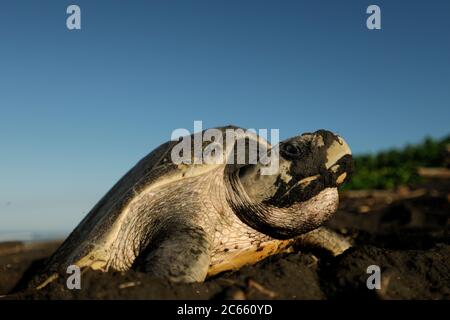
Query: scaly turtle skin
187,222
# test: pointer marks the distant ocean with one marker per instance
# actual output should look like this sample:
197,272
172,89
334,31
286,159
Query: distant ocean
32,236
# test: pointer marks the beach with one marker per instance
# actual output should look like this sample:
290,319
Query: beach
405,232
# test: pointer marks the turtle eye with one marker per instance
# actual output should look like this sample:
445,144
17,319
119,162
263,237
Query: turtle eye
291,151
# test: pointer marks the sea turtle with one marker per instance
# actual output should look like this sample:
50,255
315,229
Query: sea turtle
186,222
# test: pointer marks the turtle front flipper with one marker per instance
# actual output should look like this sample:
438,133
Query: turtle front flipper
325,240
180,253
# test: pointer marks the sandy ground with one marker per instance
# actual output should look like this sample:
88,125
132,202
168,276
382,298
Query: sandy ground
405,232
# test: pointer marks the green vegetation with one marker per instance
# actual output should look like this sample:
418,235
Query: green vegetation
389,169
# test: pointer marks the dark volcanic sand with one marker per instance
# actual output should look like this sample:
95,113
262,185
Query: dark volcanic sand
406,233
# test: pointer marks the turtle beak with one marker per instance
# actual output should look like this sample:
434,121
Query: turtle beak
339,160
337,150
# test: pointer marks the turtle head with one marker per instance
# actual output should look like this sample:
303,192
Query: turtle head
302,193
309,164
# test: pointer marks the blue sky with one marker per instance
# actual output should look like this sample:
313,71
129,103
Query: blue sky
79,108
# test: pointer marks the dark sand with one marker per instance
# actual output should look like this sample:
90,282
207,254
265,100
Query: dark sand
405,232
